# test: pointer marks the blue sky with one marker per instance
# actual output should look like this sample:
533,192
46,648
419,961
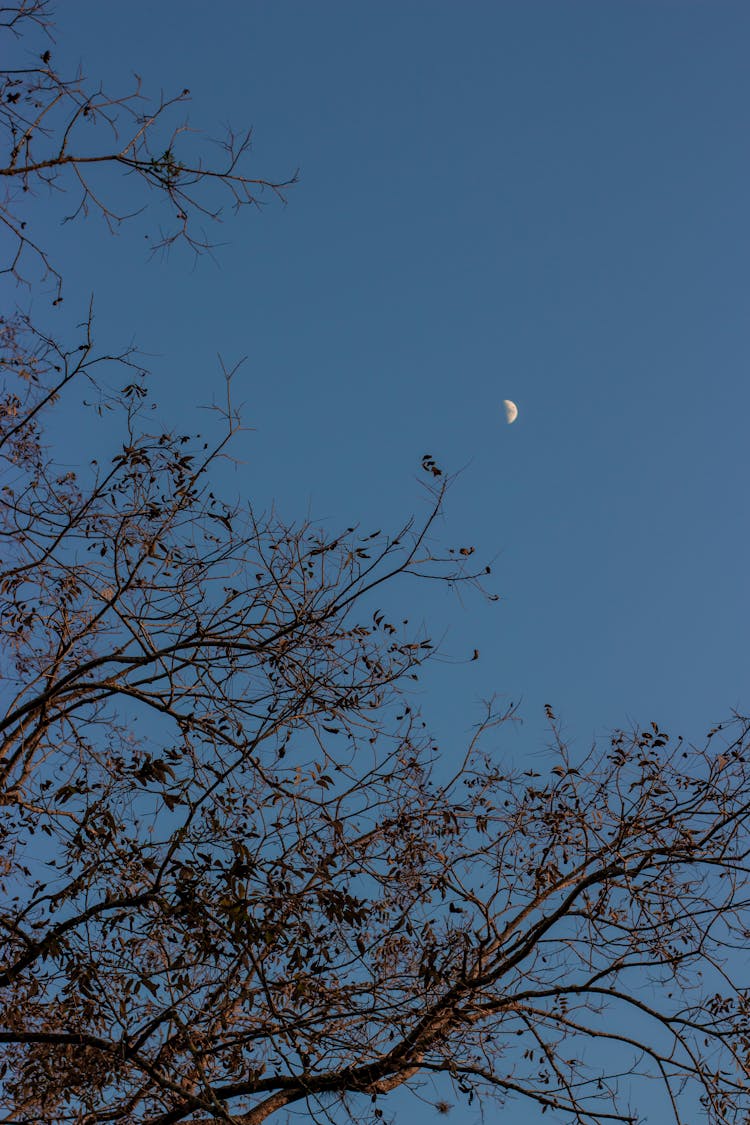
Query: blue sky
541,201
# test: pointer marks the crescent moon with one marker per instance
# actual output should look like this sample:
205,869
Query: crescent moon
511,410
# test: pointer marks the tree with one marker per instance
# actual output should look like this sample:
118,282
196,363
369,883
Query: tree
61,132
237,875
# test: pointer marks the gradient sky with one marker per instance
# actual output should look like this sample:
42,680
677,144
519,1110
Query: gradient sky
542,201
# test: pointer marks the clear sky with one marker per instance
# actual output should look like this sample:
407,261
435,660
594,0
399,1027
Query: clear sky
541,201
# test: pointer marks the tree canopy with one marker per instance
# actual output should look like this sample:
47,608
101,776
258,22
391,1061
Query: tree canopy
237,874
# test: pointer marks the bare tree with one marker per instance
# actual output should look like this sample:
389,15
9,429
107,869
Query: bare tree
237,874
63,133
